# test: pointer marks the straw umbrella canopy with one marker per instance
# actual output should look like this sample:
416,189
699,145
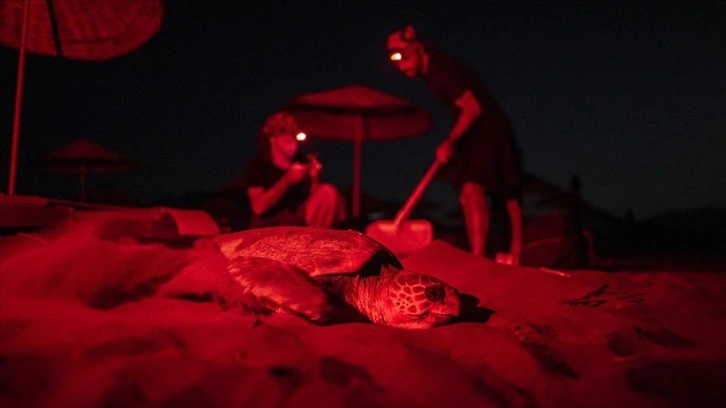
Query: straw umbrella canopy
89,30
83,157
358,113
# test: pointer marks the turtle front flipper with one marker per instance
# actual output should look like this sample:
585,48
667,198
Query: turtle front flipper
279,287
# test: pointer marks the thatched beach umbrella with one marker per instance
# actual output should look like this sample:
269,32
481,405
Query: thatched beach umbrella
83,157
358,113
89,30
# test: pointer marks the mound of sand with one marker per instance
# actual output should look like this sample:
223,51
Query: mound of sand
81,325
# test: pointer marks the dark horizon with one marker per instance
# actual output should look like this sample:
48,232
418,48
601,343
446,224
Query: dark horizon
628,96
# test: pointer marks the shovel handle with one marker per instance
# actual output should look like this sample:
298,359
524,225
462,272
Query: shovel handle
416,195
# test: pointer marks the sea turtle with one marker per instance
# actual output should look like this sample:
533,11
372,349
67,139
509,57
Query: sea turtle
317,273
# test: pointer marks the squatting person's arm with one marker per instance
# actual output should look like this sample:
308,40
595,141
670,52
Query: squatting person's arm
262,200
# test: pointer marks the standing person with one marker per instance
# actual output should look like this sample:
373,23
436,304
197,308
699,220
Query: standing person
479,155
284,188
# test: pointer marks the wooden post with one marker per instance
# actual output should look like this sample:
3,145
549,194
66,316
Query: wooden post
18,99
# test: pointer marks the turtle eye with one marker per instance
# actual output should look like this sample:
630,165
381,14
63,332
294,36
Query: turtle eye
435,294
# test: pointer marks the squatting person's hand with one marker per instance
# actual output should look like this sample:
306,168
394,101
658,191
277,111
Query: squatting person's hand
296,173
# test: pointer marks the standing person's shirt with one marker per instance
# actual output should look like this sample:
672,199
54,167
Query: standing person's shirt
261,172
448,78
487,152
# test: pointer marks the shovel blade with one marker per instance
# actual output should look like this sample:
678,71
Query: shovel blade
408,237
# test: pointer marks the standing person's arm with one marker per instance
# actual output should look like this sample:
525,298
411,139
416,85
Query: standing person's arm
470,111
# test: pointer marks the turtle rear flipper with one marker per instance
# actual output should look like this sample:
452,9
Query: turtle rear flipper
206,280
280,287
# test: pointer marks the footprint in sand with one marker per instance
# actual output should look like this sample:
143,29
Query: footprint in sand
535,339
338,372
288,378
603,295
664,337
625,345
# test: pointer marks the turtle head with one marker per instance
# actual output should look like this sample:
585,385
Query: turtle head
418,301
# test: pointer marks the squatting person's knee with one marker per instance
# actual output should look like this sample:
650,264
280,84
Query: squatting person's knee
327,193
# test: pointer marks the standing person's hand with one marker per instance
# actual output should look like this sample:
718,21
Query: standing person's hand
444,151
296,173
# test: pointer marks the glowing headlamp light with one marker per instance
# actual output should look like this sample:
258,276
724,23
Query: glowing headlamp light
301,137
396,56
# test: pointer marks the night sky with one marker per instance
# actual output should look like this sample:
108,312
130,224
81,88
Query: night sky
630,96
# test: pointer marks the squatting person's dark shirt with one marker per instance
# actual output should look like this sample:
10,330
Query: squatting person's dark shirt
261,172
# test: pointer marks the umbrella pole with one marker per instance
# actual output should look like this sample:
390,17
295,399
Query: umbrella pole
18,99
357,147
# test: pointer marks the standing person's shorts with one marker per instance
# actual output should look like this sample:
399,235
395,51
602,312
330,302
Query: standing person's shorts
490,159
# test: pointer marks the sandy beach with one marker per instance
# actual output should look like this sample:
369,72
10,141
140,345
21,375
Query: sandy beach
82,325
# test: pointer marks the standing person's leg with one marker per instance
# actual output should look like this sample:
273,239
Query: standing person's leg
470,170
510,170
476,215
476,172
322,206
514,209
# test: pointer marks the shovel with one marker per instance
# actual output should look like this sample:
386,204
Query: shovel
403,236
